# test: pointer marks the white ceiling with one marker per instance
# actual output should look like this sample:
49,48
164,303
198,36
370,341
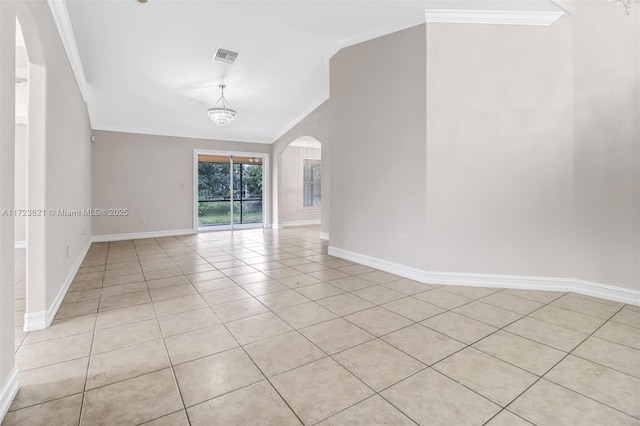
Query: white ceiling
148,66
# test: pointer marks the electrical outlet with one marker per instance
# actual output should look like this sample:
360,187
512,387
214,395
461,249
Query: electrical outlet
403,241
67,251
143,219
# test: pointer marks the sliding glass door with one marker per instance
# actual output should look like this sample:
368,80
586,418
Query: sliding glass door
214,189
219,205
247,194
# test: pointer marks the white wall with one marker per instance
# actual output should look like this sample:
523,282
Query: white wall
291,185
152,176
21,181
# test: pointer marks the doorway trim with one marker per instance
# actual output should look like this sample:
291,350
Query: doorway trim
266,194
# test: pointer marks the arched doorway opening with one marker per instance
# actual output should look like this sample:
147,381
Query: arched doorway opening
20,184
29,178
299,183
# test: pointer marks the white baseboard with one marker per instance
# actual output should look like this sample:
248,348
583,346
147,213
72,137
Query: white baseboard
20,244
324,236
383,265
141,235
43,319
603,291
300,223
35,321
8,392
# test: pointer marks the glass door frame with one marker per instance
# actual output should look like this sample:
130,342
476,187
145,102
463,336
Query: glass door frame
266,204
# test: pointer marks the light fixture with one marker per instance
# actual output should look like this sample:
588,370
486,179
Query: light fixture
626,4
221,114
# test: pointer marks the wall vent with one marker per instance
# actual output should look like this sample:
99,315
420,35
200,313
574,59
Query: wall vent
224,55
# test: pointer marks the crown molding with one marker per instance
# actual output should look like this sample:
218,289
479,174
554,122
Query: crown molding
379,32
63,23
293,123
494,17
150,132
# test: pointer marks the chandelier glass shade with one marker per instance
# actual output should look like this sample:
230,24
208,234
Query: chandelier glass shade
626,4
220,113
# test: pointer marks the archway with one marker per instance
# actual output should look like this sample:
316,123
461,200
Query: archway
20,188
298,183
36,304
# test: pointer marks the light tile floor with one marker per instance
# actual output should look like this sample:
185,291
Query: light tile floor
263,327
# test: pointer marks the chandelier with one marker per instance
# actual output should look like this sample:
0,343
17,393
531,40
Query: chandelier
220,113
626,4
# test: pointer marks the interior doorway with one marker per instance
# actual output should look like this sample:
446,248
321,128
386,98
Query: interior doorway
299,183
20,181
230,190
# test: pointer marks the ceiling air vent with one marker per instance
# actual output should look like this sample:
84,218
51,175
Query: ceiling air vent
226,56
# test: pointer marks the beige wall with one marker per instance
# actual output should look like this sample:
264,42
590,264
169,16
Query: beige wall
21,181
378,148
499,149
607,143
532,148
291,188
528,165
152,176
67,157
318,126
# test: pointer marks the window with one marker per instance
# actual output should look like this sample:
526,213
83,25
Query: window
312,185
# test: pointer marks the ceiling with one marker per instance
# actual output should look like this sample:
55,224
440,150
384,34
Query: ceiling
148,67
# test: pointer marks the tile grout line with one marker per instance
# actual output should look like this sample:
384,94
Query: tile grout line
233,253
292,369
555,365
469,346
257,367
166,349
93,337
